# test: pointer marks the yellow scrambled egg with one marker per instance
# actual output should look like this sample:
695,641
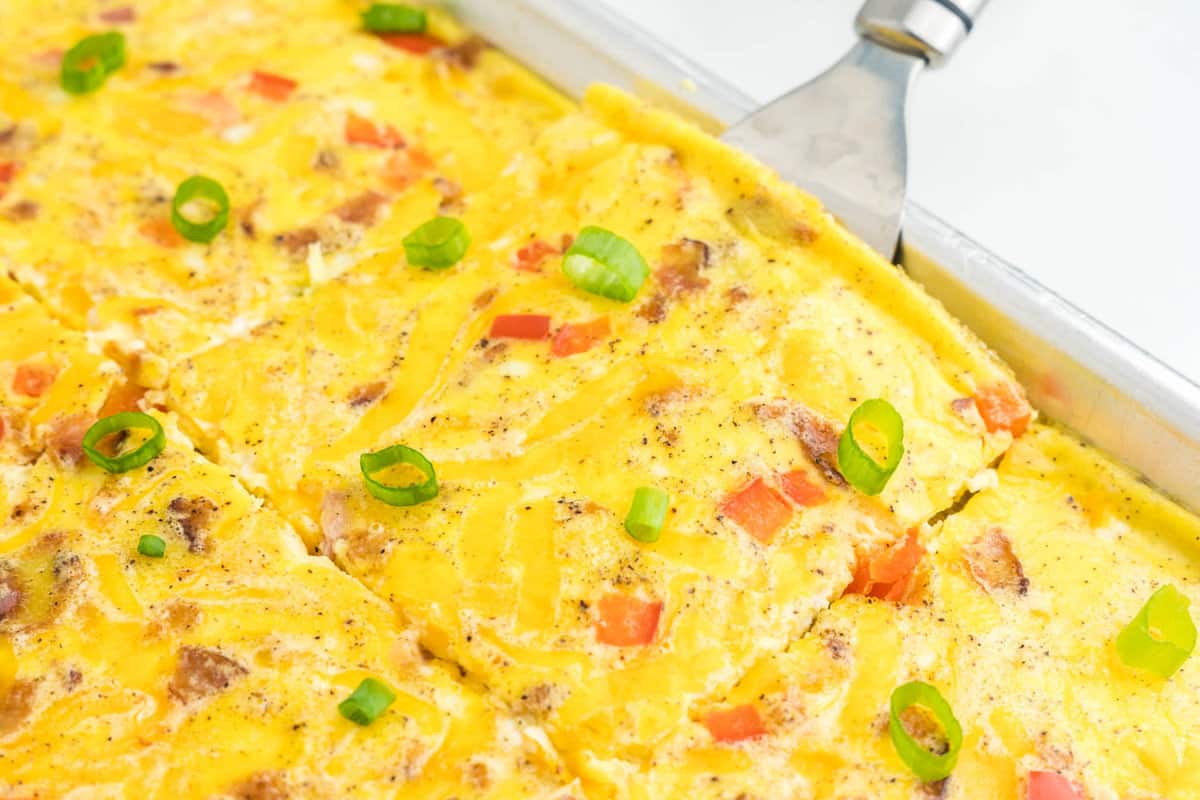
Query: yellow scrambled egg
217,669
535,647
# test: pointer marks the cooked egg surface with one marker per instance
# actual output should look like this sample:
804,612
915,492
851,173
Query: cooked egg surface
746,648
217,669
1025,591
318,131
733,370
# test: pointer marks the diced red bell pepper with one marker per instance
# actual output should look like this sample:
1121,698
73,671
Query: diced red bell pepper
580,337
417,43
32,380
735,724
1051,786
520,326
360,130
625,620
801,489
890,574
271,86
530,257
758,509
8,171
1003,407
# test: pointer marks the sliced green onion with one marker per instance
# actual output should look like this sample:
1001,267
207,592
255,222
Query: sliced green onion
1162,635
87,65
600,262
645,518
437,244
856,465
393,18
199,187
152,546
408,495
368,701
124,421
925,765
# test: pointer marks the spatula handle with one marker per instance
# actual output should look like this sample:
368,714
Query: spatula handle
932,29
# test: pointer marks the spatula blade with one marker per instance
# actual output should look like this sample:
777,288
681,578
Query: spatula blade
842,137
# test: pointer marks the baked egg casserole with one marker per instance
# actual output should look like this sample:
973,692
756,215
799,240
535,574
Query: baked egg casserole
377,422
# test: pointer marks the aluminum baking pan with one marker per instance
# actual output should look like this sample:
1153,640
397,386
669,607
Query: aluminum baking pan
1078,372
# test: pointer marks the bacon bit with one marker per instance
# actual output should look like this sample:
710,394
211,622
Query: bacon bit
10,594
804,233
580,337
32,380
8,171
362,209
819,438
654,310
625,620
963,406
123,397
737,295
271,86
116,16
360,130
520,326
993,564
451,194
681,265
16,704
889,574
406,166
160,231
1051,786
1003,407
485,298
417,43
202,671
335,519
216,108
192,515
464,54
566,241
264,785
366,394
758,509
735,724
800,489
23,211
296,242
65,438
530,257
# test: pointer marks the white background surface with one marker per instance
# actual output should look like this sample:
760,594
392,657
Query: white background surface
1064,135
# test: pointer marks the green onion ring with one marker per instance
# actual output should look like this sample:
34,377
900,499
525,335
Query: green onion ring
855,464
152,546
87,65
645,519
437,244
600,262
393,18
126,420
408,495
198,186
367,702
924,764
1162,635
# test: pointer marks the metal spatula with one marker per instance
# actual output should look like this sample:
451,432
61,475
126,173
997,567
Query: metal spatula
842,135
